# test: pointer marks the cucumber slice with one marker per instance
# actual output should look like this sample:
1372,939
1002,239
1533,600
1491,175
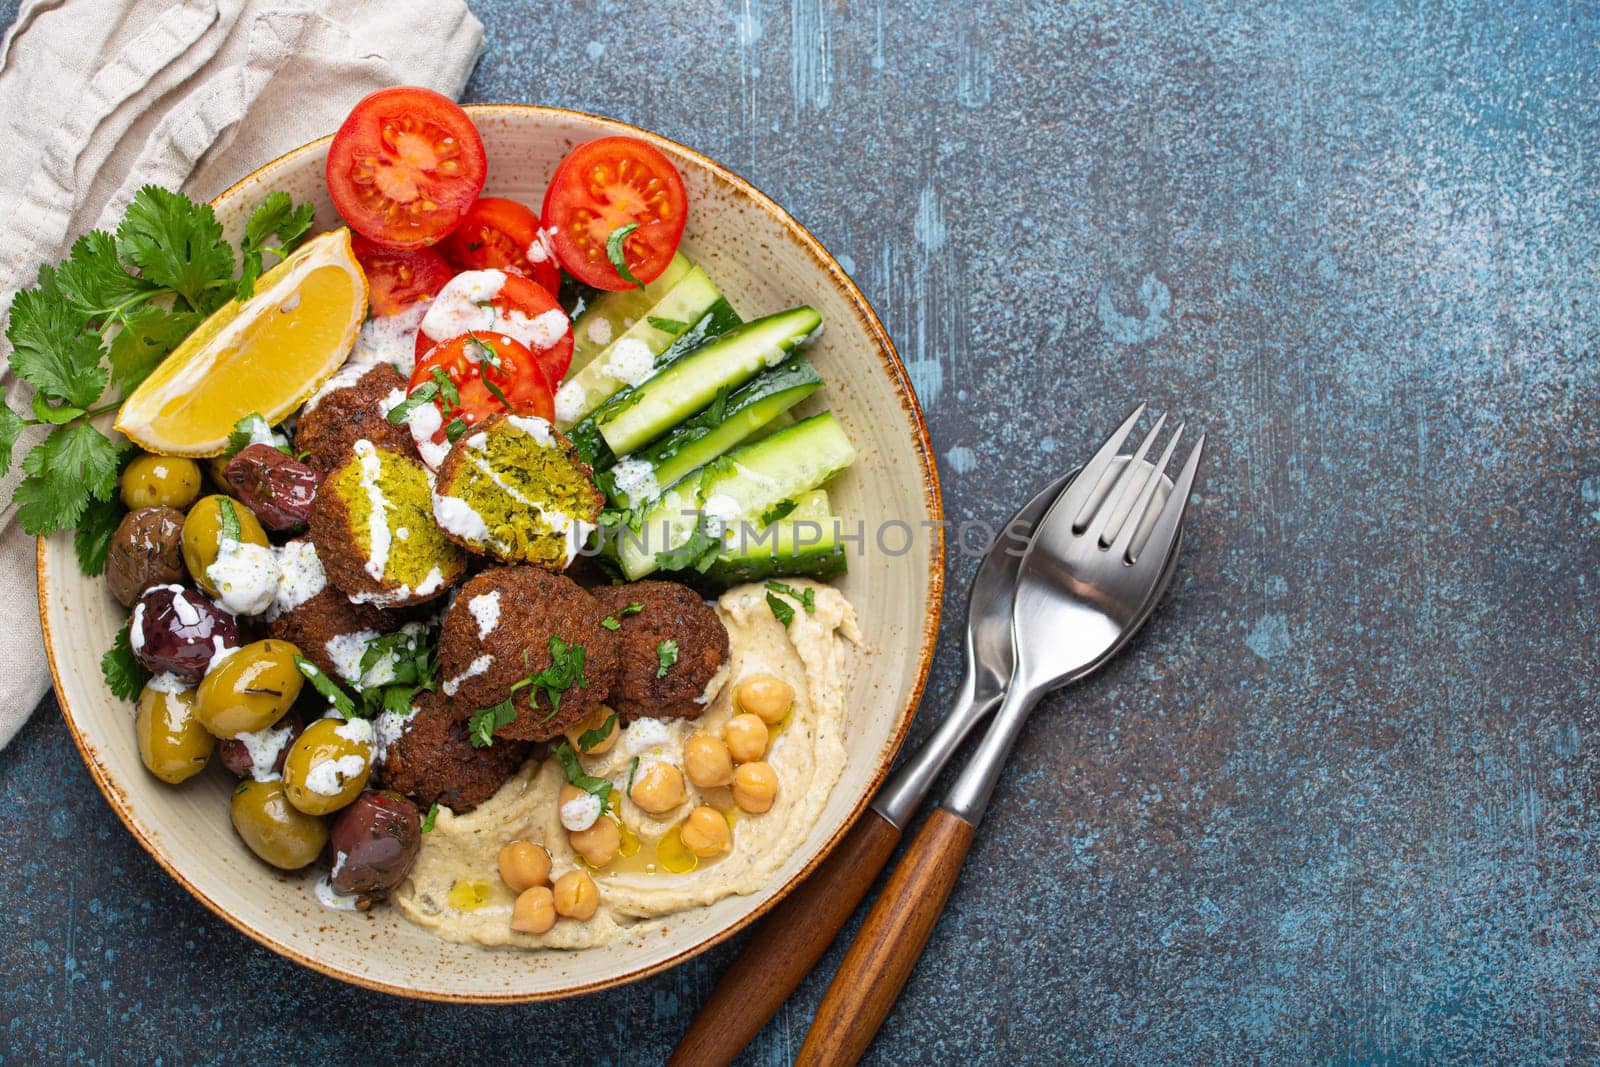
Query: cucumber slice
741,486
684,387
805,542
778,422
631,357
617,310
639,478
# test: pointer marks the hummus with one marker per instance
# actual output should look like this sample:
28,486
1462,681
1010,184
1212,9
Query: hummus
455,888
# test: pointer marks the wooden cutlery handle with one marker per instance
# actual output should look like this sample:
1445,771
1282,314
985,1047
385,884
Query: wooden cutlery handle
884,952
786,945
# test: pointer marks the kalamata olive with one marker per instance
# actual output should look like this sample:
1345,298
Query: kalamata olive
202,535
172,744
278,488
274,829
160,481
146,550
256,755
329,765
374,842
178,631
250,690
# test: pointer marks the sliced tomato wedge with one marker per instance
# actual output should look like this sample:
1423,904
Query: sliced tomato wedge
405,167
503,235
501,302
488,373
399,277
600,188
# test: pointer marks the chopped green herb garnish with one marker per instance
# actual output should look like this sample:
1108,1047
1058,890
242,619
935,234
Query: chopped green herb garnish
633,769
485,721
241,787
615,253
610,622
699,551
564,672
125,676
777,511
247,430
488,384
589,783
782,610
454,429
807,596
448,393
667,325
666,656
486,352
427,820
422,394
338,698
632,608
590,738
229,520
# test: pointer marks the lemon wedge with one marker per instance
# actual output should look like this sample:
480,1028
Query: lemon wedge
264,355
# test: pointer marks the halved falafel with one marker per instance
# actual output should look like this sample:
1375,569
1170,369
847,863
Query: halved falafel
372,523
514,488
525,633
671,645
327,430
434,761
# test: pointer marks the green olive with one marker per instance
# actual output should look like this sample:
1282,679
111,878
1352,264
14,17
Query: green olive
273,828
202,535
329,764
173,743
217,467
160,481
250,690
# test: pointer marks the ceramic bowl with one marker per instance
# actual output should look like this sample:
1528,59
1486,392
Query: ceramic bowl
764,261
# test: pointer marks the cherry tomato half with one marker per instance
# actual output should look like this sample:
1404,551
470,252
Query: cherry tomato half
502,234
399,277
519,307
607,184
405,166
479,364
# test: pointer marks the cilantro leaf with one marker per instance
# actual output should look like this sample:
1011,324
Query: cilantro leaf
427,820
93,538
666,656
148,335
610,622
454,429
448,392
777,511
485,721
591,784
177,244
337,698
51,346
63,472
276,216
782,610
631,609
667,325
590,738
564,672
10,429
125,676
699,551
615,254
97,282
633,769
400,414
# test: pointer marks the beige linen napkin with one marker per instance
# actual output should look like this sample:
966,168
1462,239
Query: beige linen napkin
100,97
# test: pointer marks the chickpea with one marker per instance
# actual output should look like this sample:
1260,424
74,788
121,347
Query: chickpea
658,787
524,865
599,844
164,481
705,832
707,760
746,736
576,896
765,696
754,786
599,720
535,910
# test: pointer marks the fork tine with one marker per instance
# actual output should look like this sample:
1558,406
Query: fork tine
1082,490
1166,528
1111,507
1136,514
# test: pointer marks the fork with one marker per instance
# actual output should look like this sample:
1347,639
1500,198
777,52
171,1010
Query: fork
1084,583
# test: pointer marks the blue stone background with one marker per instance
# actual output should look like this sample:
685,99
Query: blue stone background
1338,804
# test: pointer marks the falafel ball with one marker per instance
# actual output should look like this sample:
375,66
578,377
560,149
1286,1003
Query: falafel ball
498,634
372,523
326,431
328,620
433,760
647,685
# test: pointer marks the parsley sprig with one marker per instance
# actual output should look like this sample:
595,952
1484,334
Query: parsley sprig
589,783
782,610
394,668
666,657
125,676
618,258
564,672
95,326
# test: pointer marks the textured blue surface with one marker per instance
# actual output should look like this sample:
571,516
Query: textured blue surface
1338,804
